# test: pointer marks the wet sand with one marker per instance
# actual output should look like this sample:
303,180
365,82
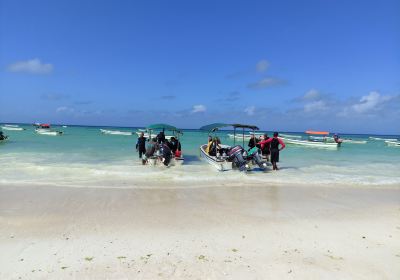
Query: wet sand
244,232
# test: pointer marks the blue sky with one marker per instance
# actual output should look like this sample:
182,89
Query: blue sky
282,65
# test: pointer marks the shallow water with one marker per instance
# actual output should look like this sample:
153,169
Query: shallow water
85,157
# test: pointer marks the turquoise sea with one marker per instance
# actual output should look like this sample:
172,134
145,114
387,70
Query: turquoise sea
85,157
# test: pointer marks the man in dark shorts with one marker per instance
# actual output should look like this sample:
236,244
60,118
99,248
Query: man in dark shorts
274,148
141,145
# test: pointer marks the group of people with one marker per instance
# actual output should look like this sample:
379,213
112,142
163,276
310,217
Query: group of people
147,148
269,147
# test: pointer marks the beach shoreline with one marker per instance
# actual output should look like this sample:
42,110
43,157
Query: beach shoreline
215,232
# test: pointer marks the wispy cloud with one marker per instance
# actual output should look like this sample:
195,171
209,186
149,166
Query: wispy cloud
232,96
266,83
198,109
32,66
262,66
65,109
250,110
83,102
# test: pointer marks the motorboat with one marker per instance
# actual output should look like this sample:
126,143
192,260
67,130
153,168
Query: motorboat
352,141
393,143
316,139
116,132
44,129
308,143
245,136
162,154
232,157
12,127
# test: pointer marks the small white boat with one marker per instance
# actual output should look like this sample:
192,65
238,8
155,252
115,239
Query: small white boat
115,132
307,143
12,127
393,143
64,126
290,135
351,141
48,132
220,163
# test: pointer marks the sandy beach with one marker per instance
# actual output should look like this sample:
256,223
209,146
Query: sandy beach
243,232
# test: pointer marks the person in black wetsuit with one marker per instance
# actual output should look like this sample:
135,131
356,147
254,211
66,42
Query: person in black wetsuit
2,136
141,145
161,137
252,142
174,145
265,149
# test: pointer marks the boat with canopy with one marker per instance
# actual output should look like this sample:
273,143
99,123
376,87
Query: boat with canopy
45,129
159,155
232,157
316,139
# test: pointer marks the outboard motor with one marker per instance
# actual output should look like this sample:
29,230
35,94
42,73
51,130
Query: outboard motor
256,158
166,154
236,155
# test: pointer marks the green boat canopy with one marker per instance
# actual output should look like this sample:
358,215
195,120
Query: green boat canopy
162,126
215,126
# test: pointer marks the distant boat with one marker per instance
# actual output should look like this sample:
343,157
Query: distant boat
351,141
314,141
393,143
44,129
12,127
115,132
64,126
308,143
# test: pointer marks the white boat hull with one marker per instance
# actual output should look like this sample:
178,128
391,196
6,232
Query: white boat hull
311,143
48,132
219,164
12,128
115,132
354,141
393,143
290,136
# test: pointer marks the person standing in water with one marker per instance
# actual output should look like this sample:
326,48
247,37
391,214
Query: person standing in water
141,145
274,148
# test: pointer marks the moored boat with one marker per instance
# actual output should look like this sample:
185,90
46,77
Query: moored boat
44,129
308,143
231,157
115,132
162,151
393,143
12,127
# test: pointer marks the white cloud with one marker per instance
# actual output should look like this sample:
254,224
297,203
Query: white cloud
198,109
312,94
250,110
33,66
315,106
262,65
265,82
65,109
370,102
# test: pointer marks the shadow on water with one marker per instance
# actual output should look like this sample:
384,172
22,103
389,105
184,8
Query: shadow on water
192,159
